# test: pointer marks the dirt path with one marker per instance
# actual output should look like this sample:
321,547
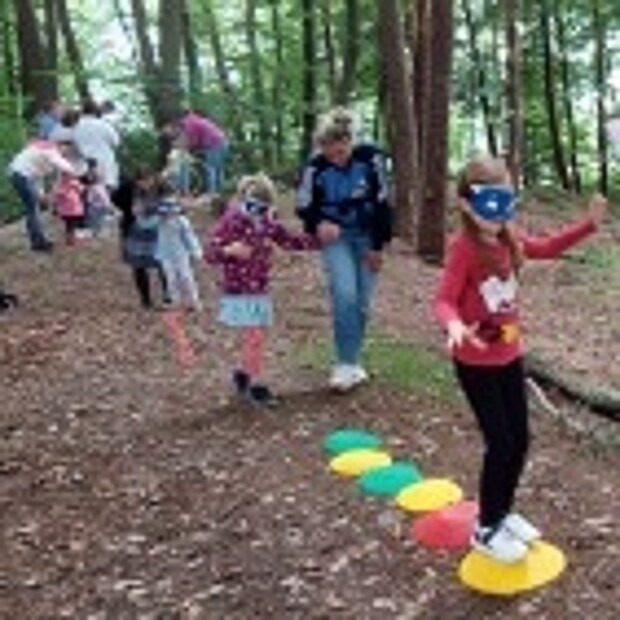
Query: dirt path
131,488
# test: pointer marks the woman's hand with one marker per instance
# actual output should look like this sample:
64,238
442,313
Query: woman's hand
459,333
374,260
328,232
237,249
597,209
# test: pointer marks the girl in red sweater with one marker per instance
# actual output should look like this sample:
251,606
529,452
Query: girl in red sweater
476,303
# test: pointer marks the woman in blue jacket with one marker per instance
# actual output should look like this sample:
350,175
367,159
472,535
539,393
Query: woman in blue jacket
343,200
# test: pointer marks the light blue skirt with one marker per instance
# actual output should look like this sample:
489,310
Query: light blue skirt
246,311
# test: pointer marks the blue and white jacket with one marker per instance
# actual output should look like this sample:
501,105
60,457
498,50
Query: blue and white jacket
354,196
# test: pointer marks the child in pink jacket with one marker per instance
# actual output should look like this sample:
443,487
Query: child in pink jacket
68,204
242,245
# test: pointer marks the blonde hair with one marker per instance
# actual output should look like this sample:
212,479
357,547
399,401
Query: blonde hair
258,186
487,170
335,126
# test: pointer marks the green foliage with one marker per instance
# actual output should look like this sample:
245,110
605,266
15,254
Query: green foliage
404,366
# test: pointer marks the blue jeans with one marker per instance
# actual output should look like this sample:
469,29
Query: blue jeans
213,162
351,287
27,192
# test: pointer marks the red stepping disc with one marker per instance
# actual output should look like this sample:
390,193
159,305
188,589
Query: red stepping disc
450,528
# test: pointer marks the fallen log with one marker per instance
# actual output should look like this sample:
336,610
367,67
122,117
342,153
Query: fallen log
603,401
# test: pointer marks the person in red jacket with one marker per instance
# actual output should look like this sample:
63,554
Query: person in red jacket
476,303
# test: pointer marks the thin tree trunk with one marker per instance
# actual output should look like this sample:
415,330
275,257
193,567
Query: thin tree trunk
73,50
567,98
330,47
260,100
51,40
551,104
191,54
600,34
309,76
37,82
432,216
276,94
400,113
514,89
351,52
481,85
169,91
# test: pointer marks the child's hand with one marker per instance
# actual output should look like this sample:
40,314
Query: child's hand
328,232
238,249
597,209
459,333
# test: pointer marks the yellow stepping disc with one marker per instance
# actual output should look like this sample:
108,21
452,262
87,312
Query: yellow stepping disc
428,495
357,462
543,564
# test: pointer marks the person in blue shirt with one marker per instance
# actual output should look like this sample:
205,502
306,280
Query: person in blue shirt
343,200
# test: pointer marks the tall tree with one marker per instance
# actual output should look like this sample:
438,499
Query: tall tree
38,80
73,50
309,75
514,108
190,50
260,101
432,215
482,88
600,71
401,117
550,96
350,52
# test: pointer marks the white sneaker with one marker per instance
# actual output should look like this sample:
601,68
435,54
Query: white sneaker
345,377
499,544
521,528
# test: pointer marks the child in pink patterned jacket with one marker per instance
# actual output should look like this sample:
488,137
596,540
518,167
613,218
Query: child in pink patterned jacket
68,204
242,246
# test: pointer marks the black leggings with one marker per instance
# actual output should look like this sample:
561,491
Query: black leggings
142,280
498,397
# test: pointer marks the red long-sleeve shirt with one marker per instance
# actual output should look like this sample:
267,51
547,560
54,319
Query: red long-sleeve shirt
469,290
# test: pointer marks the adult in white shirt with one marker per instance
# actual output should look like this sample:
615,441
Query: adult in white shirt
95,138
28,170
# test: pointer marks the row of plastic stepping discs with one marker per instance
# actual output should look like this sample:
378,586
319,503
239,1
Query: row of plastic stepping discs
447,522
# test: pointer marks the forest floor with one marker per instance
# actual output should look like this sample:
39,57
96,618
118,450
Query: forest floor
134,488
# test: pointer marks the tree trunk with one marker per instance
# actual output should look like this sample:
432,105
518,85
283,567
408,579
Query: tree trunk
330,47
567,99
276,94
73,50
432,215
37,83
260,100
351,52
51,40
169,91
400,113
551,104
309,76
481,85
600,34
191,55
226,85
514,108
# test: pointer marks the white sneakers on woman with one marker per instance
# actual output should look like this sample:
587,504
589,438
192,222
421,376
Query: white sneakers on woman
507,542
345,377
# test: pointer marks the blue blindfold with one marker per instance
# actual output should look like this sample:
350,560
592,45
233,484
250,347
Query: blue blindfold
495,203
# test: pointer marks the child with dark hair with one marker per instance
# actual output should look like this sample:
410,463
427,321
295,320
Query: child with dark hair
136,198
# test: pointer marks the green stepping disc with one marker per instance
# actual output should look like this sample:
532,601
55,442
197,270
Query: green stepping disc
390,480
350,439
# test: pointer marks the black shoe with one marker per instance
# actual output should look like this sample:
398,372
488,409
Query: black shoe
261,395
241,381
8,300
43,246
